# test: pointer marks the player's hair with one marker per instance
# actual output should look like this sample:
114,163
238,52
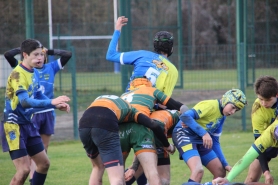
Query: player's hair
266,86
30,45
235,97
163,42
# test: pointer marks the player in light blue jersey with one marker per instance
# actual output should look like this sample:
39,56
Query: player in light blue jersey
23,98
155,66
196,136
45,119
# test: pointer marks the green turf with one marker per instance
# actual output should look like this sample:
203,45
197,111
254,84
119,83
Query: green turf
70,165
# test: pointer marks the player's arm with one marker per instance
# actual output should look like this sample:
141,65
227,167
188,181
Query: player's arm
65,55
189,118
45,103
27,102
175,105
263,162
243,163
155,127
217,149
9,55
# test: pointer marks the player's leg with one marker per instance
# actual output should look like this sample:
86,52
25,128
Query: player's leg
111,154
163,163
22,165
254,172
142,142
42,162
194,164
211,162
148,160
164,174
35,149
14,141
45,124
97,171
189,153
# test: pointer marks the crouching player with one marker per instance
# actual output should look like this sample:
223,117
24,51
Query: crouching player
268,139
167,120
197,134
99,133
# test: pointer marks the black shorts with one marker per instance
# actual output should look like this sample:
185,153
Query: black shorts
103,142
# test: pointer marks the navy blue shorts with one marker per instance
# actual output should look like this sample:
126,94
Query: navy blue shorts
103,142
44,122
20,137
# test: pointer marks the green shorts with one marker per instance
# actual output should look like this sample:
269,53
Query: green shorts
136,136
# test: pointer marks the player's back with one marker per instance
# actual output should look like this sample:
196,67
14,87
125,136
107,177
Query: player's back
156,68
120,107
169,118
144,98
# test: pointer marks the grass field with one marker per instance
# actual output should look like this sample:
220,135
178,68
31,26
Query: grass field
70,165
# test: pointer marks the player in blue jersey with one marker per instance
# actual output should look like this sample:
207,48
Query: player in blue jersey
45,119
196,136
153,65
264,112
22,99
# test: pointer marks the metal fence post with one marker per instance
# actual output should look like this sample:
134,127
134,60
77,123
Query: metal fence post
74,93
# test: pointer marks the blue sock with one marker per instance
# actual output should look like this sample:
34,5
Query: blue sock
190,180
142,180
38,178
132,180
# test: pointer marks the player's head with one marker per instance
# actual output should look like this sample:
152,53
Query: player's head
32,53
266,89
140,82
235,97
163,42
30,45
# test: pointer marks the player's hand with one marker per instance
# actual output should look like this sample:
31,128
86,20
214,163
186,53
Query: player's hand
63,107
129,174
161,106
60,99
219,181
228,168
170,149
207,141
268,178
121,21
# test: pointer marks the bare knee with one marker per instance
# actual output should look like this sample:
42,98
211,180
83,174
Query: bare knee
198,171
221,172
43,166
24,170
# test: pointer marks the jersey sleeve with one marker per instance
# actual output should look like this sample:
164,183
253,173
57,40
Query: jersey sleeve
217,149
243,163
56,65
266,140
189,118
